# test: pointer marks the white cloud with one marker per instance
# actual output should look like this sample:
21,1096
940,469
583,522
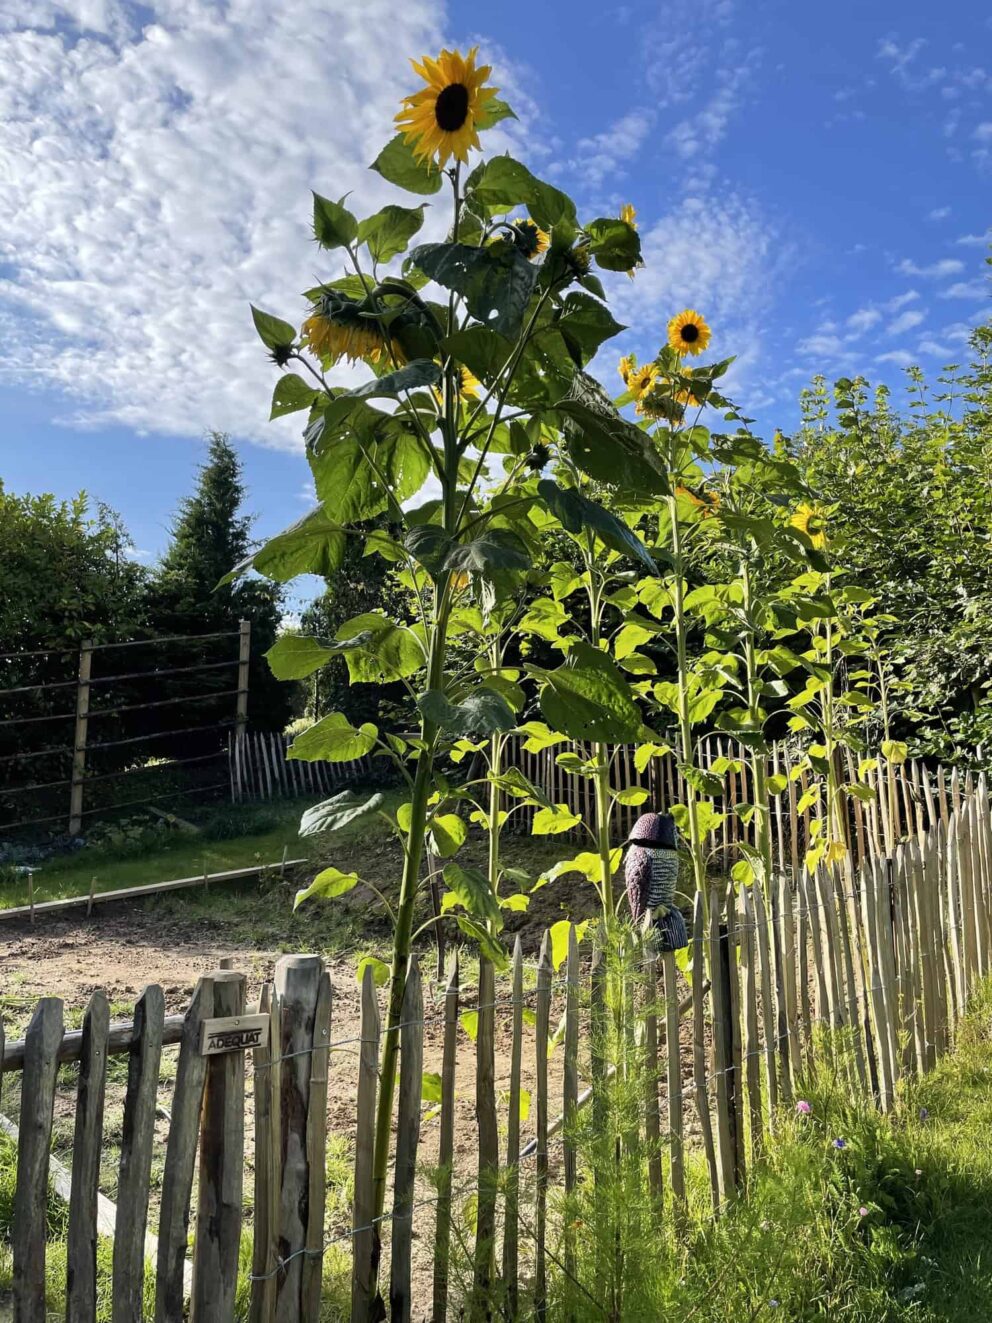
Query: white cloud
967,289
612,151
706,127
905,322
863,320
939,213
947,266
900,300
897,356
154,174
983,131
975,240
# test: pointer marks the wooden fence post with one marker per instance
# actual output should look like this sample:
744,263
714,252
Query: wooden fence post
79,738
82,1237
485,1111
543,1014
407,1141
41,1047
297,985
363,1271
222,1142
244,658
446,1145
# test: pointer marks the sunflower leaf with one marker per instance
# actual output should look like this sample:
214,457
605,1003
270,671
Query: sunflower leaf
334,740
273,332
588,698
338,811
492,112
501,183
388,232
333,224
292,394
577,513
295,656
496,281
614,244
315,544
484,712
389,651
397,163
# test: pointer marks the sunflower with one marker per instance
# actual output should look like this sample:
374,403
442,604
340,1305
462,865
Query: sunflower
336,330
812,522
530,239
707,504
684,395
440,121
466,385
627,367
688,333
629,215
642,379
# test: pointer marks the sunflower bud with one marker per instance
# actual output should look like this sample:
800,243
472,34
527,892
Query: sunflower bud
281,354
538,458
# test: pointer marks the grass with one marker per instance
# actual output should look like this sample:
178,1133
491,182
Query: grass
891,1225
234,837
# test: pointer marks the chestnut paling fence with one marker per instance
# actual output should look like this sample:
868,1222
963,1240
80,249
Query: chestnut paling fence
888,952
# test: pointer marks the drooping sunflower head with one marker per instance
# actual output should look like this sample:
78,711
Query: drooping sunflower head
629,215
578,260
337,329
688,332
441,120
530,239
811,521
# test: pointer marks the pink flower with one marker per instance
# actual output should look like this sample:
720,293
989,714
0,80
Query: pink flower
862,1211
803,1108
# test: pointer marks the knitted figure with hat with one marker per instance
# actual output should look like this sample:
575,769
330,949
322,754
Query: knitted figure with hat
651,872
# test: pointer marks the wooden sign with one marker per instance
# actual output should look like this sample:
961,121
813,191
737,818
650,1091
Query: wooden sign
232,1033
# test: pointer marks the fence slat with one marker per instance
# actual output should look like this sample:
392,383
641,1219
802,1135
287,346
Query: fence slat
543,1017
136,1157
219,1191
265,1220
488,1139
570,1084
363,1207
752,1042
446,1144
699,1047
80,1304
41,1044
673,1056
652,1118
407,1142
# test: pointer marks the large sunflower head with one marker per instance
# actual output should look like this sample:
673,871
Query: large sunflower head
441,120
811,521
688,333
337,329
530,239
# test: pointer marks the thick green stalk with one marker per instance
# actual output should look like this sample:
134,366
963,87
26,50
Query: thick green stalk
758,757
601,778
685,723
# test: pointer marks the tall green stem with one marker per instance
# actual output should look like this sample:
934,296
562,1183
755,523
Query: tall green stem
685,723
759,765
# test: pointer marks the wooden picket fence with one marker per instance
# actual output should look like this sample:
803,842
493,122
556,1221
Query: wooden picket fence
260,770
908,799
885,955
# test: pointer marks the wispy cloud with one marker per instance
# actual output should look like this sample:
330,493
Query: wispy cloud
976,240
938,214
611,152
967,289
946,266
154,173
905,322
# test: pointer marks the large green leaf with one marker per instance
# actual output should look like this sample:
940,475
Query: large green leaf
448,833
496,281
295,656
389,652
576,513
484,712
388,232
585,323
315,544
334,740
609,448
273,332
291,394
472,891
328,883
339,811
481,349
429,545
501,183
397,163
614,244
421,372
346,482
333,224
588,698
494,550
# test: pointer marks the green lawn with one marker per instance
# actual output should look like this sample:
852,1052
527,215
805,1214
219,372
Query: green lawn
235,837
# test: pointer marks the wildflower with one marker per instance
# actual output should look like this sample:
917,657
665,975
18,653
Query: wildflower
459,581
919,1171
840,1143
923,1113
530,239
688,332
862,1211
803,1108
440,121
811,521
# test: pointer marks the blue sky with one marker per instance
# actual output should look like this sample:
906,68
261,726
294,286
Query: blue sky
816,179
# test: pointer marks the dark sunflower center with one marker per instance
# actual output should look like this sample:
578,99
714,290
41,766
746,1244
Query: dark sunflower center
451,107
690,333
